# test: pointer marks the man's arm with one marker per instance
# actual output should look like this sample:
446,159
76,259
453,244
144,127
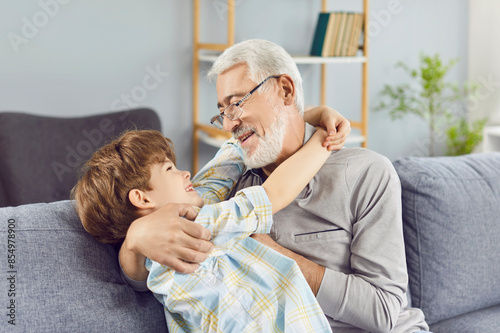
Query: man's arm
378,278
165,237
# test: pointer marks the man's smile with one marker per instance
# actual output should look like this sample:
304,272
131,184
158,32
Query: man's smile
244,134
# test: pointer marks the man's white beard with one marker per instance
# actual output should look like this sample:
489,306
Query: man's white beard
270,146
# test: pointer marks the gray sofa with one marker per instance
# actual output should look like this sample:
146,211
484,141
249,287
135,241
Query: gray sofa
62,280
40,156
451,215
55,277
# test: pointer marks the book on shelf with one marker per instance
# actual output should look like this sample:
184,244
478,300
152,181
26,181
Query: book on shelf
340,35
337,34
319,34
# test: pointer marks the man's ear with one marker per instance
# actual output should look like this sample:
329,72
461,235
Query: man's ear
140,199
287,89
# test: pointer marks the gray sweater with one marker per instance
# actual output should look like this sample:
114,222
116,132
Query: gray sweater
349,220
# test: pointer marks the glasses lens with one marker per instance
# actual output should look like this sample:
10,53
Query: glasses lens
217,121
233,112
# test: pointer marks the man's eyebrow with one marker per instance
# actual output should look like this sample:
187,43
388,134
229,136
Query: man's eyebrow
228,98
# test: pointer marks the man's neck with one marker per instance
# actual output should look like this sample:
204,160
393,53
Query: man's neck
293,140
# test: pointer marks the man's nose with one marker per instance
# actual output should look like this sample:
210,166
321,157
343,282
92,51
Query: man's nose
229,124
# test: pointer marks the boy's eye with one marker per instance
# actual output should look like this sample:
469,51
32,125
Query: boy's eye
169,168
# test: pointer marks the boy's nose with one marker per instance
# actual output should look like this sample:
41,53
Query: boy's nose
187,174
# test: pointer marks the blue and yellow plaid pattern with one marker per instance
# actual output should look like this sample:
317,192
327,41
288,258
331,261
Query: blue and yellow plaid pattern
244,286
214,181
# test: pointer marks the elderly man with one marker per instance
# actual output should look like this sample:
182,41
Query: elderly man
344,230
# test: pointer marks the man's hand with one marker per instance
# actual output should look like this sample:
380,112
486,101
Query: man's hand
311,271
336,125
168,238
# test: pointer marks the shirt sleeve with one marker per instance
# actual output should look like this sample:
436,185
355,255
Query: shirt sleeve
249,212
217,178
134,284
213,183
371,296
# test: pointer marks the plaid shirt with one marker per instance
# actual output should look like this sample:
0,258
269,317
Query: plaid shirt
244,286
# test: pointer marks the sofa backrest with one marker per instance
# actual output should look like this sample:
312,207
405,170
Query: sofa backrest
451,223
41,156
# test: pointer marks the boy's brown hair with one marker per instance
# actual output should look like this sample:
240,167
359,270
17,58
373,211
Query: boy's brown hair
101,193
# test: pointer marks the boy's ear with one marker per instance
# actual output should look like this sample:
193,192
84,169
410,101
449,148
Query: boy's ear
139,199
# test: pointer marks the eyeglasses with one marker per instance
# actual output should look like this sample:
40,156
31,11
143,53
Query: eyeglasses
233,111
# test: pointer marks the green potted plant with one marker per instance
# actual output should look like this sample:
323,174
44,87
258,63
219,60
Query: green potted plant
439,102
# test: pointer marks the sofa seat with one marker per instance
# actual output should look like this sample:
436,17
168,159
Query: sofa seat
64,280
485,320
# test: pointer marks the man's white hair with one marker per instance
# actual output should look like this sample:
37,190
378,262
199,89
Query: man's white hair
263,59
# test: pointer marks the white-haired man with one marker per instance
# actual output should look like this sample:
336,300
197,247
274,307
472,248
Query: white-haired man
345,229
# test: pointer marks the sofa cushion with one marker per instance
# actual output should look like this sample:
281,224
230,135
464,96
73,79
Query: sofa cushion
62,280
482,321
451,211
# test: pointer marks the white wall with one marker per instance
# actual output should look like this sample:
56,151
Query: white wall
85,57
484,57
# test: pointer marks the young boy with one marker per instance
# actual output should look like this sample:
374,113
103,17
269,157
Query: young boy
243,286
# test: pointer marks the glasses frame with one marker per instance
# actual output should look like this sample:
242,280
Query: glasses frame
218,120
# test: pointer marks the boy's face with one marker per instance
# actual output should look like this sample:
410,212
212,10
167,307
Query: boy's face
170,185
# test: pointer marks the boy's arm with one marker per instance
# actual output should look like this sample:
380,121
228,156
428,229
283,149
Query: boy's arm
216,179
291,176
250,211
336,125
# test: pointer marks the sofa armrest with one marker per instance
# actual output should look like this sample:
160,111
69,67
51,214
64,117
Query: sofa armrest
451,209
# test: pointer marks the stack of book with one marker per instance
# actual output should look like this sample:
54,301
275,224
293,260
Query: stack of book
337,34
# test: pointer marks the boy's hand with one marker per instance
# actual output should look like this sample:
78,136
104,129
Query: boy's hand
165,236
337,126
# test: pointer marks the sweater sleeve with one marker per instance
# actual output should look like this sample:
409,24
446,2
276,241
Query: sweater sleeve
371,296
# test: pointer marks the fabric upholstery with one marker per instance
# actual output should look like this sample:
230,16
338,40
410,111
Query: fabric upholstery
451,215
481,321
41,156
65,281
